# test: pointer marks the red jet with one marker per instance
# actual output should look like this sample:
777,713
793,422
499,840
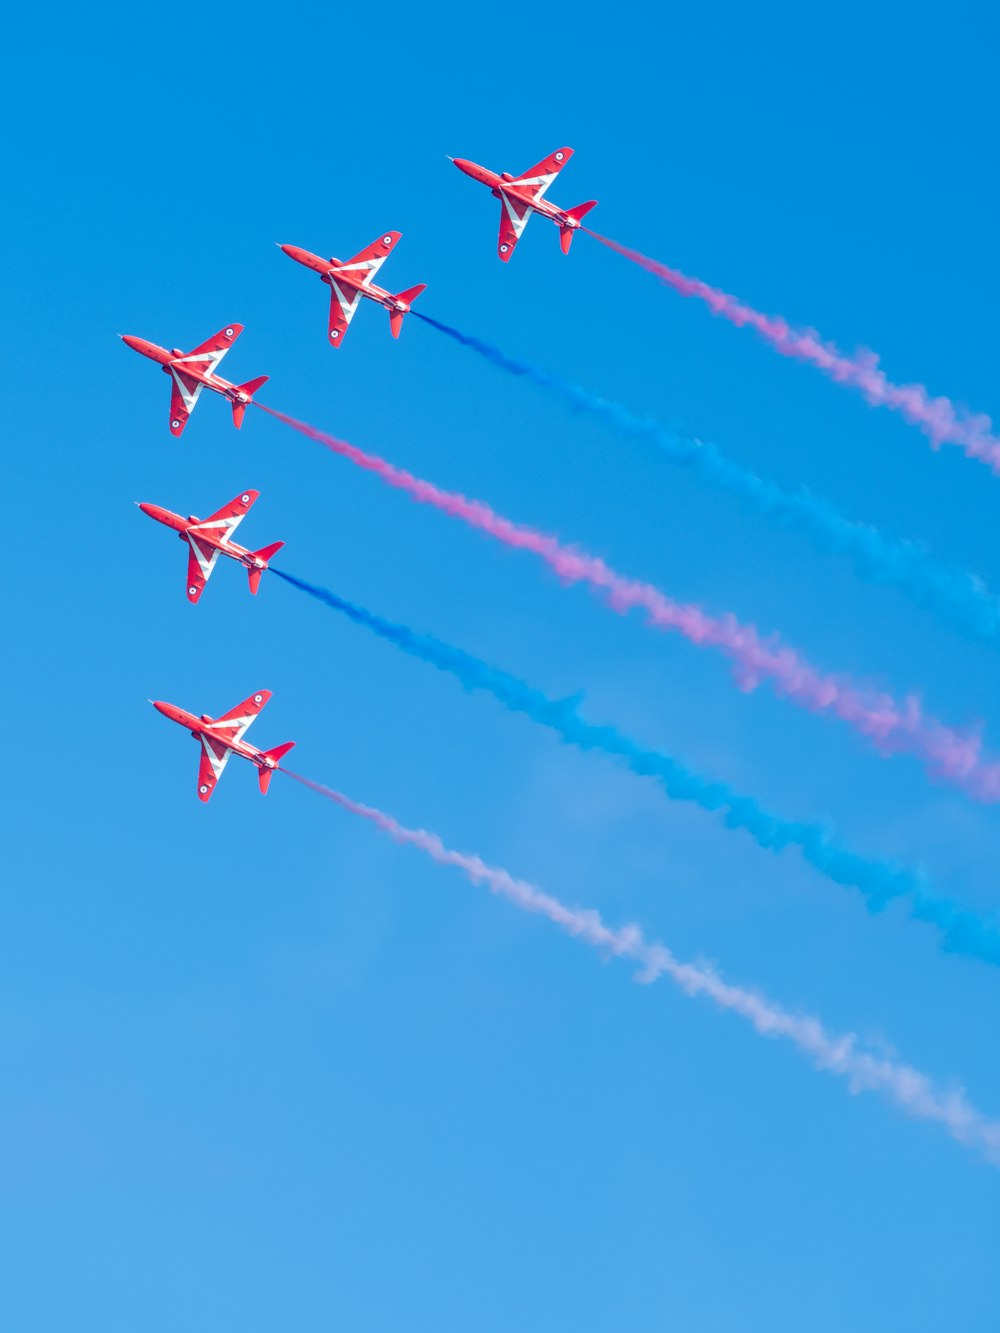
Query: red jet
210,537
223,736
350,280
193,371
520,196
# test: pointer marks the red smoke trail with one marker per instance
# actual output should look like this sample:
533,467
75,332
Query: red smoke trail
939,418
864,1071
893,726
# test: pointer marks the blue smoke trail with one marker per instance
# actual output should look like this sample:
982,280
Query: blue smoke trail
962,930
947,589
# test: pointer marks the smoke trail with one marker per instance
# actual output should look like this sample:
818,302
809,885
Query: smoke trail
893,726
947,589
864,1070
961,930
941,420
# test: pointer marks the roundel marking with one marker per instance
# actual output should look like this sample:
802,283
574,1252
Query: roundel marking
244,499
335,333
387,240
175,424
559,157
257,698
504,249
192,591
203,789
229,333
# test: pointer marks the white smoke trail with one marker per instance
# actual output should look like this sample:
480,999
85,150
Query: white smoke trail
845,1056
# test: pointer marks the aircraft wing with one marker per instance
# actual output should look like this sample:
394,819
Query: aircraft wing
344,296
202,559
215,348
221,525
514,214
224,522
184,393
367,262
537,179
205,360
344,301
231,726
225,731
214,758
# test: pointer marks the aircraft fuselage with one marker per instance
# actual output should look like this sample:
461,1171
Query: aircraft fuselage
346,276
203,726
504,182
178,360
183,526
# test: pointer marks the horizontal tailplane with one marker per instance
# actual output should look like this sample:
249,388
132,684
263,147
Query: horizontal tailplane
265,553
247,392
566,232
277,754
407,297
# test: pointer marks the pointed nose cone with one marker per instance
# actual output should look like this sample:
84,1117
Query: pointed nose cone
142,346
171,711
304,257
465,165
162,515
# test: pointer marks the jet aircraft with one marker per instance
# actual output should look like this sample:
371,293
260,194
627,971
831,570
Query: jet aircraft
223,736
208,538
351,279
193,371
520,196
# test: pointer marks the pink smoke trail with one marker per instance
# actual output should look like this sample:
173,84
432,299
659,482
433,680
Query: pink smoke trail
941,420
863,1070
893,726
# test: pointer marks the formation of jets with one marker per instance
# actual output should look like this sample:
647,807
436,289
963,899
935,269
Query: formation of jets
190,372
353,279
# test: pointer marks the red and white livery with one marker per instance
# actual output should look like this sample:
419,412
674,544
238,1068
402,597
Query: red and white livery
191,372
208,538
349,280
520,196
221,737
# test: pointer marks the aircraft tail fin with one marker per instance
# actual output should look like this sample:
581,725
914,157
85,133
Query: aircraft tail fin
581,210
277,754
265,553
566,232
409,296
247,391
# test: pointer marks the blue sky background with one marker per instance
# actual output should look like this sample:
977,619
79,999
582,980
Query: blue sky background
263,1069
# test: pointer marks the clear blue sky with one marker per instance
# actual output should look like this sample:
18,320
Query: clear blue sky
264,1070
